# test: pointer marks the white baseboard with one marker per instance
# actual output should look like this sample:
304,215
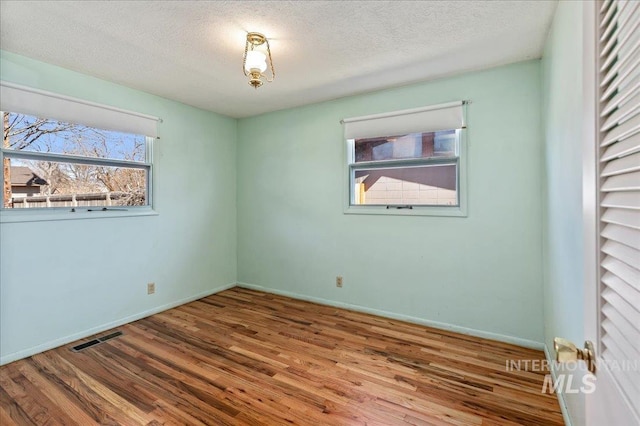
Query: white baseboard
91,331
560,395
435,324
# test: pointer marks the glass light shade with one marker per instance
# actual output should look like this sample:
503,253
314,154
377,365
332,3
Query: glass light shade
256,60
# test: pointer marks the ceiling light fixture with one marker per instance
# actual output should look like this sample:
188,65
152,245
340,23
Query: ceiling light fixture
254,63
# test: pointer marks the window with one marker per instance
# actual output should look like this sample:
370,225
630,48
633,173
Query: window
407,162
49,163
52,160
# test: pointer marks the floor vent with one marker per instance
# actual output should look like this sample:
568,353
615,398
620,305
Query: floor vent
85,345
110,336
97,341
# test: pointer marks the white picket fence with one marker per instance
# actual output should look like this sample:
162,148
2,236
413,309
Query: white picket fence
69,200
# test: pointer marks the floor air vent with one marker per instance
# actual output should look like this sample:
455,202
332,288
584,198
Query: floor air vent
110,336
97,341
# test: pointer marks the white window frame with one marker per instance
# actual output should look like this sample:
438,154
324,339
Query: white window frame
459,210
91,115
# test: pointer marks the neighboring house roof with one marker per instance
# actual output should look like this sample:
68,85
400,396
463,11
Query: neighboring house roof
24,176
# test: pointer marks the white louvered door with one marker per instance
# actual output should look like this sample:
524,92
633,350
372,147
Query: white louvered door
613,315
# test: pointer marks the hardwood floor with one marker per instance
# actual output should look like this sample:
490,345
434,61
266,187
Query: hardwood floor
246,357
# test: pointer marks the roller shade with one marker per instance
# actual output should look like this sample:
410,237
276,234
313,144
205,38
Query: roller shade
20,99
619,173
427,119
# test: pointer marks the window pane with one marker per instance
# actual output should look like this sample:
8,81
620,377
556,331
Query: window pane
39,184
412,145
419,185
28,133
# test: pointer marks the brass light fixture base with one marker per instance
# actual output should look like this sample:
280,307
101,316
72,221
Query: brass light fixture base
255,81
256,39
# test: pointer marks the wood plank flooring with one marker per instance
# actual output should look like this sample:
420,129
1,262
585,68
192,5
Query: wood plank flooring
242,357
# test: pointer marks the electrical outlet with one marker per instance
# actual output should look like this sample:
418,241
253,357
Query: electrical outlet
151,288
338,281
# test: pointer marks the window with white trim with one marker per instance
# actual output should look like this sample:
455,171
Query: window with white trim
410,160
59,152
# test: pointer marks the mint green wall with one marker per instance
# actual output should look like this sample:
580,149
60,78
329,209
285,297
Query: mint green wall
563,226
562,117
61,280
483,272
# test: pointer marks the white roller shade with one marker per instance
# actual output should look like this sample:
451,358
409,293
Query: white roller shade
20,99
427,119
619,174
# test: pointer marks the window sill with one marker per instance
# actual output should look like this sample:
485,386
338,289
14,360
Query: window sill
41,215
415,211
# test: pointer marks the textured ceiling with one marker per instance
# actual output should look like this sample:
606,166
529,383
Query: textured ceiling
191,51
